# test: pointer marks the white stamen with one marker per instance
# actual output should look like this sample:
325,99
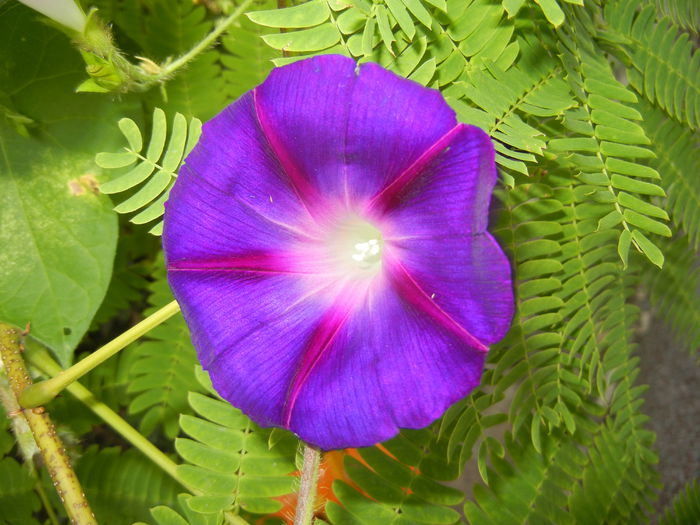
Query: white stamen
357,245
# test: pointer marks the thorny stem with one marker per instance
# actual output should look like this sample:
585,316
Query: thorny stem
44,391
55,458
307,488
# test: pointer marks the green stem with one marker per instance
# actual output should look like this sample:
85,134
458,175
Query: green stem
54,456
307,488
44,391
168,69
43,362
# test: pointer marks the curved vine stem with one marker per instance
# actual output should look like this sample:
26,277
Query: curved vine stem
41,393
52,451
110,70
203,44
307,489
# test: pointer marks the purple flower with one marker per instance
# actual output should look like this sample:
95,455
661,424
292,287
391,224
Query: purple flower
327,242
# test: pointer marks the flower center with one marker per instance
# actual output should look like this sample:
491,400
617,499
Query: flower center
356,246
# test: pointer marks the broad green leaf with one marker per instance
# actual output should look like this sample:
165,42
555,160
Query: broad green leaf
18,501
58,233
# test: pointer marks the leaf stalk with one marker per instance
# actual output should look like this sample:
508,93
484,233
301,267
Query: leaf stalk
44,391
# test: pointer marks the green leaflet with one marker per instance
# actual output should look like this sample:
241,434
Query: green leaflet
228,459
153,171
58,234
163,515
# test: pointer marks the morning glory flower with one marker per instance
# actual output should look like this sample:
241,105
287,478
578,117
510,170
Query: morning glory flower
326,240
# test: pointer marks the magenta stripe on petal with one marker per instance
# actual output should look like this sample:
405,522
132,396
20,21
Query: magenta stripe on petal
321,339
386,197
254,262
306,192
412,293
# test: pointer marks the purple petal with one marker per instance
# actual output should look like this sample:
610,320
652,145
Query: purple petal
250,331
350,129
448,193
232,196
388,367
461,281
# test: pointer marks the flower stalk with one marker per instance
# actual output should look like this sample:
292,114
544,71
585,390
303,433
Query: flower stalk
41,393
51,448
307,488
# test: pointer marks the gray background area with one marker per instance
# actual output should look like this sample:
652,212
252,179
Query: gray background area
673,404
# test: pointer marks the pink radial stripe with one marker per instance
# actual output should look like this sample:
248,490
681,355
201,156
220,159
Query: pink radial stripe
384,199
321,339
302,187
414,294
254,262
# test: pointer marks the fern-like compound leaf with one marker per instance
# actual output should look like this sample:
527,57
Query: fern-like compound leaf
228,460
152,173
666,63
397,482
609,150
677,160
122,486
685,507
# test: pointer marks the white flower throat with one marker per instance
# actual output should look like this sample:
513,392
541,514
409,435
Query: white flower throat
356,247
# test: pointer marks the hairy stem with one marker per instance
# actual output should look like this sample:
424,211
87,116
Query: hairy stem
307,488
44,391
202,45
55,458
